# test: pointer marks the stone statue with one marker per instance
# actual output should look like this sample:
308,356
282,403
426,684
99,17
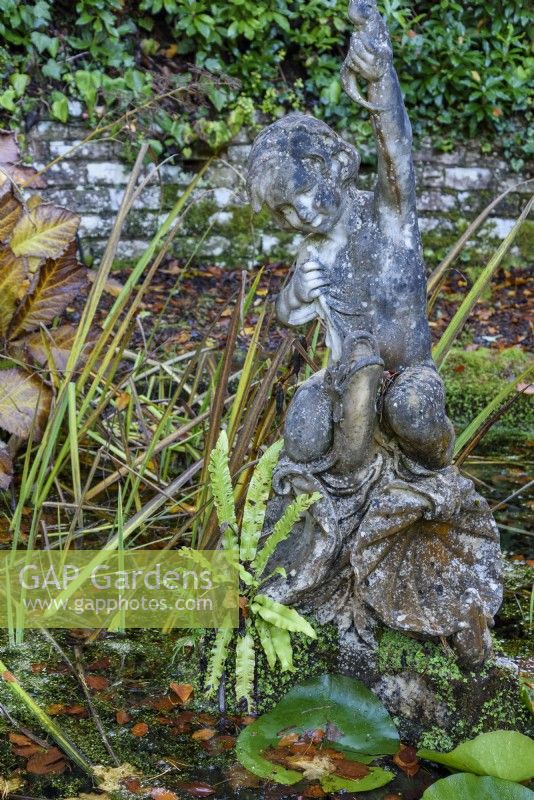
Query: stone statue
400,537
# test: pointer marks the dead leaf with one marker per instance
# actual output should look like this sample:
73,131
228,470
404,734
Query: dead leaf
44,232
55,709
163,794
203,734
10,785
14,283
288,739
96,682
51,761
313,767
314,791
24,403
197,789
182,690
6,467
406,759
61,279
240,778
122,717
140,729
122,401
351,769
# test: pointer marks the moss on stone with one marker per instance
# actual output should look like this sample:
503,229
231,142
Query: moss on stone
473,379
475,701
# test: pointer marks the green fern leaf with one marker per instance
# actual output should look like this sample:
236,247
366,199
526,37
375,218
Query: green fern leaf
281,616
245,662
223,494
264,632
282,646
283,528
219,654
256,501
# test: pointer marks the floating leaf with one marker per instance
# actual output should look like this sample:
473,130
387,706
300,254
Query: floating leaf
140,729
363,724
377,777
97,682
51,761
60,281
508,755
24,401
471,787
13,285
44,232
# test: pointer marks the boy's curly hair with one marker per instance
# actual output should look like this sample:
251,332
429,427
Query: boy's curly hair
296,135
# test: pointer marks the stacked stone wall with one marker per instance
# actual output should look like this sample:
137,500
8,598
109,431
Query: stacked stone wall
219,226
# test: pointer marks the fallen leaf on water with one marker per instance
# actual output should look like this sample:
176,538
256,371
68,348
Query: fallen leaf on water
218,744
313,768
51,761
314,791
240,778
351,769
96,682
197,789
182,690
288,739
203,734
163,794
122,717
406,759
140,729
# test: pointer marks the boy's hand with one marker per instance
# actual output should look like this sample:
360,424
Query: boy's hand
370,52
308,281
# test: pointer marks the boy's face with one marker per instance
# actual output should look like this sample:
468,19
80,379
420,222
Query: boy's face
303,195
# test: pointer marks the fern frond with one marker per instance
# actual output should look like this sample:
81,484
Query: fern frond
264,633
223,494
281,642
281,616
217,660
245,663
256,501
283,528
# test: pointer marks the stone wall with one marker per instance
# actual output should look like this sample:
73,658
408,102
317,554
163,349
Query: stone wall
219,226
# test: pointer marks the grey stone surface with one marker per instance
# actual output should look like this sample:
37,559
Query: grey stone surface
399,538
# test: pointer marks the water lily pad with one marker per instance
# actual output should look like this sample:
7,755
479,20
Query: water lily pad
472,787
502,754
355,721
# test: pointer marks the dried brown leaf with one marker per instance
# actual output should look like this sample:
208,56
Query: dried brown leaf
52,761
13,286
203,734
23,399
122,717
140,729
182,690
6,467
97,682
60,281
163,794
10,211
9,149
196,788
44,232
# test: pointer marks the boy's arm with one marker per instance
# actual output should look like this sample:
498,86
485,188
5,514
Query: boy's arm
371,57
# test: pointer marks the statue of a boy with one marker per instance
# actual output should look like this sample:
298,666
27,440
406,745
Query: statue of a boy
360,266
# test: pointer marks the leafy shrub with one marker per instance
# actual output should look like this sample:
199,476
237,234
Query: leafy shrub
39,277
465,67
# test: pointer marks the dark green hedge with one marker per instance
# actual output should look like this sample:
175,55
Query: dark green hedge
465,68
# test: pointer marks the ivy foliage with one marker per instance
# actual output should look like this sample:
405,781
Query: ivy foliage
465,67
